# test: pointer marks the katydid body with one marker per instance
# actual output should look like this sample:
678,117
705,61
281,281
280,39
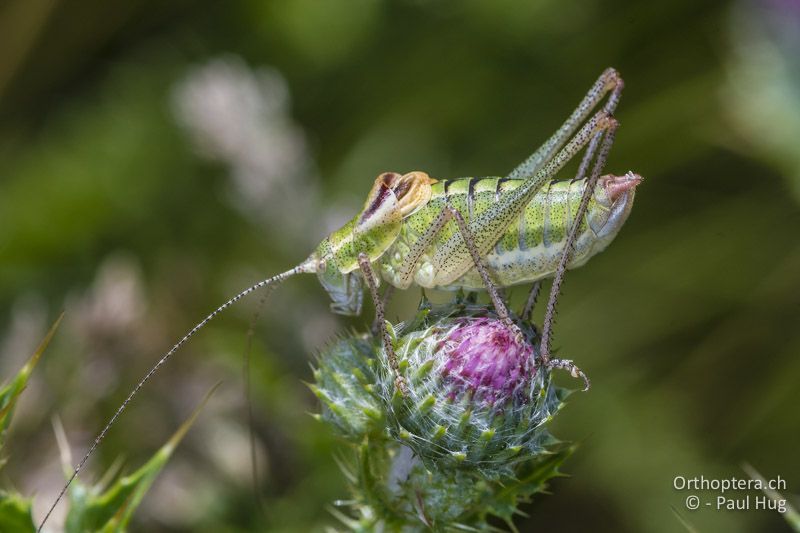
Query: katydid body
530,247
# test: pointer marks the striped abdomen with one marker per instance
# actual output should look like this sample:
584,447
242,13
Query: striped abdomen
530,247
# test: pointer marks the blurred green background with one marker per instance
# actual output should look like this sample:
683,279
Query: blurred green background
156,157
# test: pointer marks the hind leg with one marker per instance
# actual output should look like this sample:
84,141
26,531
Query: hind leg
530,303
607,138
609,81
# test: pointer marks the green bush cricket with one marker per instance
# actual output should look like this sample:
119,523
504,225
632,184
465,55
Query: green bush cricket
470,233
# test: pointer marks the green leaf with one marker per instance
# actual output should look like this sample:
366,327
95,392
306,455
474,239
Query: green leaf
791,515
110,510
15,513
532,478
684,521
9,393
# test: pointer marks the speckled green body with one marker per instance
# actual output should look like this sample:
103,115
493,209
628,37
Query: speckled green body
530,246
518,225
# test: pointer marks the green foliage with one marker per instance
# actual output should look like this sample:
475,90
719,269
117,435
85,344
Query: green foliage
109,509
15,510
9,392
15,513
790,514
394,490
92,508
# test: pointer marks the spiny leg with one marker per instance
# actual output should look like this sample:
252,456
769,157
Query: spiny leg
533,295
574,371
447,213
497,301
451,259
530,303
609,107
609,80
608,137
380,317
388,292
587,159
536,170
558,278
566,364
414,254
555,290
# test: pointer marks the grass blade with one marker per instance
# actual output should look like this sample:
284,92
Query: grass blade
95,509
9,392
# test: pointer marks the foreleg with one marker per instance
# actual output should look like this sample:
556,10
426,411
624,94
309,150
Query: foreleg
380,317
388,292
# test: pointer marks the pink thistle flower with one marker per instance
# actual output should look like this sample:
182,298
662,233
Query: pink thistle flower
482,357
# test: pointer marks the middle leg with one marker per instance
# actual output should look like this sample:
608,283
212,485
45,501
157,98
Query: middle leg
411,260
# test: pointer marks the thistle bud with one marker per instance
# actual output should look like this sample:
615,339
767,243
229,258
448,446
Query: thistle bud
466,441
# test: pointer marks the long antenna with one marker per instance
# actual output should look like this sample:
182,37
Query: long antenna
270,281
